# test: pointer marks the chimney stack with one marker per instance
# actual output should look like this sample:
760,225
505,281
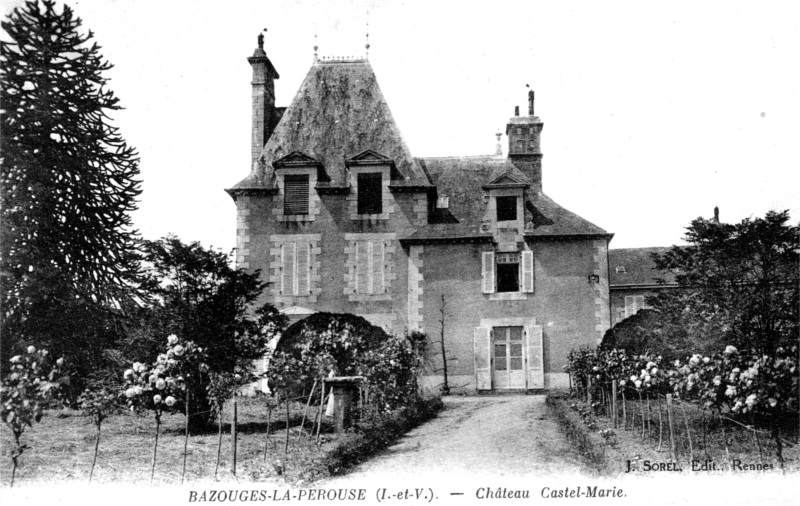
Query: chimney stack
516,110
263,101
716,214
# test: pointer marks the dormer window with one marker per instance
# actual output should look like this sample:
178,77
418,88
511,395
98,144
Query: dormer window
370,193
295,201
506,208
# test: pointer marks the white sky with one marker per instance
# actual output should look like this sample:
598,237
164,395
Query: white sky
654,112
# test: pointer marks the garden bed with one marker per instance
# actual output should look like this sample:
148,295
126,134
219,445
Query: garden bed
640,443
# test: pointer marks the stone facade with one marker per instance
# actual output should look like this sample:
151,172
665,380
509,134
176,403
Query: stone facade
465,247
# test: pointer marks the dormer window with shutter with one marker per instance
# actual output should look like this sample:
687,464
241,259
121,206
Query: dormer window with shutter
296,189
370,174
297,175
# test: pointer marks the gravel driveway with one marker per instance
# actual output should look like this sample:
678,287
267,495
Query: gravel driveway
476,437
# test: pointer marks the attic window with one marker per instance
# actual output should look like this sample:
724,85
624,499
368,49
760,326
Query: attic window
295,187
621,269
443,203
506,208
370,193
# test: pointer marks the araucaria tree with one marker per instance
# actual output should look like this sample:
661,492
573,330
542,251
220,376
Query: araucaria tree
69,183
739,286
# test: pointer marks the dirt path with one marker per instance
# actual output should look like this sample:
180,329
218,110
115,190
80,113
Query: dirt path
477,437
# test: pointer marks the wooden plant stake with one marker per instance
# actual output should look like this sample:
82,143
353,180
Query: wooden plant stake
649,416
705,434
219,443
671,427
725,444
234,436
269,423
186,436
155,447
688,432
758,441
614,402
660,424
641,410
286,446
624,413
305,413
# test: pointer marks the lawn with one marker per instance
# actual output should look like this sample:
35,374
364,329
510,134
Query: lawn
61,447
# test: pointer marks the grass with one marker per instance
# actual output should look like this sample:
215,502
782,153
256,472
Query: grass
62,445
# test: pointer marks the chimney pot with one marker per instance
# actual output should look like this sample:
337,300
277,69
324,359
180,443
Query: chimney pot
516,110
530,103
716,214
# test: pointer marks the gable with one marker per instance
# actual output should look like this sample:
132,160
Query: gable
369,156
295,159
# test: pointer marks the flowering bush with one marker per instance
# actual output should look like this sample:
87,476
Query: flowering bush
347,345
730,381
25,390
162,387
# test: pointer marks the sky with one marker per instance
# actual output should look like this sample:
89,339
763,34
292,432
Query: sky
654,112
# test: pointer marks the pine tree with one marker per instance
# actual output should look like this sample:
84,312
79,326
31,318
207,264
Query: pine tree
69,182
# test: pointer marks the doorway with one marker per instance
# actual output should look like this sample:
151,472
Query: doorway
508,371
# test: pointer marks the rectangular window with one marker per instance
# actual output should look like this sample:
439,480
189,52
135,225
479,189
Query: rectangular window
295,199
506,208
295,268
370,267
633,303
507,272
370,193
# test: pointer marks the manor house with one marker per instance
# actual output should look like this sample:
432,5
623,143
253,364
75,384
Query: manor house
339,216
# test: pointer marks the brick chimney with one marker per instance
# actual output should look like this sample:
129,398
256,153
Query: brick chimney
524,149
265,117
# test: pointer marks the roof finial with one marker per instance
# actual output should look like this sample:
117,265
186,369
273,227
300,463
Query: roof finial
498,151
315,48
366,46
261,39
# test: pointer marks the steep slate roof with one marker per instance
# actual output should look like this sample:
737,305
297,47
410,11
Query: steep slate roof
639,267
462,180
338,112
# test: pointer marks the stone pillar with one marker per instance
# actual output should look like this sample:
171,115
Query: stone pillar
344,390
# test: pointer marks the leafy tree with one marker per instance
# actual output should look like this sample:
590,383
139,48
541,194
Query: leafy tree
69,183
198,296
739,283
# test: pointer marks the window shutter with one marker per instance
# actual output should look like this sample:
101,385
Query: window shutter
629,310
527,271
295,189
303,268
287,263
362,267
535,369
488,272
377,267
483,366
